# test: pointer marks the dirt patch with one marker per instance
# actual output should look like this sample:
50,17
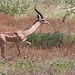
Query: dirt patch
8,23
64,52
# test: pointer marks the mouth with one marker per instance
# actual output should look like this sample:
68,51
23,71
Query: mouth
48,23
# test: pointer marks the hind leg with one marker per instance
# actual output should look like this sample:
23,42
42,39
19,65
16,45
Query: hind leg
17,54
17,45
3,49
2,45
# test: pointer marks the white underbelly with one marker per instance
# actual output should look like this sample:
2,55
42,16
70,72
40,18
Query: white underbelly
23,40
14,42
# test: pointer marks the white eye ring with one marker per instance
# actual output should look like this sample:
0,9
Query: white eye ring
43,21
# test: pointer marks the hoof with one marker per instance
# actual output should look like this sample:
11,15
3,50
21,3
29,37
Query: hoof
25,57
18,55
4,57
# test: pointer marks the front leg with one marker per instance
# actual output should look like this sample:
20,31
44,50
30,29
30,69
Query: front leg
28,43
28,49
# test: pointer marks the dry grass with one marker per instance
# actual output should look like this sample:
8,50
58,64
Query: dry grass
8,23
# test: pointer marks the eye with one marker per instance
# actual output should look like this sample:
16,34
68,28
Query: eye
43,21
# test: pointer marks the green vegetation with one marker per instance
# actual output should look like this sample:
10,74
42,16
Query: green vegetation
62,66
14,7
20,7
36,66
49,40
18,67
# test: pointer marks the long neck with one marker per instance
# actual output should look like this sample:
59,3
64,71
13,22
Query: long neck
32,29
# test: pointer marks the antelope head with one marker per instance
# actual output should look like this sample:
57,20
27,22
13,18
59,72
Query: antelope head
40,17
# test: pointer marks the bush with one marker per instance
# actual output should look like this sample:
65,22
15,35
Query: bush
45,40
18,7
14,7
49,40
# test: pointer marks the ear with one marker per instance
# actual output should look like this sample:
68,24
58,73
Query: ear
38,17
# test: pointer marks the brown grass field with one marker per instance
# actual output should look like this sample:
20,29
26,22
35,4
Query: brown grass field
9,23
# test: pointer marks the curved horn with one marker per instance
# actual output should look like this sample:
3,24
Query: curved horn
38,12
